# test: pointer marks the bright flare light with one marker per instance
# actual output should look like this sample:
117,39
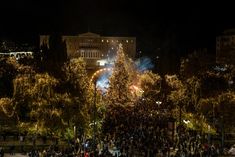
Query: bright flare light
136,90
99,72
102,78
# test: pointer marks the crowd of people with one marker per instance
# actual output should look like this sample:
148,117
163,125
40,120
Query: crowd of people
1,152
141,130
138,131
144,131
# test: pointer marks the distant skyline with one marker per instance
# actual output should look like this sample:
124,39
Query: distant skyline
156,25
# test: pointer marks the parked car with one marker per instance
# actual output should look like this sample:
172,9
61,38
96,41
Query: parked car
231,151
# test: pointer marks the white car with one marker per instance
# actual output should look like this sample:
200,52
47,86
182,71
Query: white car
231,151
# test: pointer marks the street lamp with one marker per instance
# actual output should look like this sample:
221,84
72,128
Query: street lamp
74,132
158,102
94,119
180,125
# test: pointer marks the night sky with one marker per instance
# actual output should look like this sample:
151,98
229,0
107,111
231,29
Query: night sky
157,26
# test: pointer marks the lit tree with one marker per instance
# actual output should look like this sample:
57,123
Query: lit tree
44,105
36,102
22,95
185,97
225,110
178,94
8,71
78,95
45,108
149,89
150,83
18,103
195,64
119,90
118,98
193,85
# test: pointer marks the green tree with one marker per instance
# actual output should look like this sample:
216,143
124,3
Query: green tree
53,55
22,95
8,71
78,95
118,99
45,109
119,88
150,83
37,104
41,104
18,102
185,99
195,64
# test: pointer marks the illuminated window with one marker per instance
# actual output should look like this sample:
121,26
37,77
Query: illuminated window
127,41
102,40
107,41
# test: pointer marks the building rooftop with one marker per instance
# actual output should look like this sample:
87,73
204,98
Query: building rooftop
89,34
229,32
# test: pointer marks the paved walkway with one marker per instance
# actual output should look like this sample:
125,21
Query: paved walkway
15,155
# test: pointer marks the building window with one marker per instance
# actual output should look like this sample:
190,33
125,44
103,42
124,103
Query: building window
126,41
107,41
102,40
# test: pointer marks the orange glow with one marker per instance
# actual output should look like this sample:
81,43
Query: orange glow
98,72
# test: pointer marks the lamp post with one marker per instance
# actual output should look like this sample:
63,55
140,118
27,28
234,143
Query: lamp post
94,119
180,126
158,103
74,132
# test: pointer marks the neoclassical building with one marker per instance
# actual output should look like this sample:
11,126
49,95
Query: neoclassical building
95,49
225,47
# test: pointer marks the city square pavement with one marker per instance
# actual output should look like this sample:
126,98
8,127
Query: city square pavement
15,155
20,155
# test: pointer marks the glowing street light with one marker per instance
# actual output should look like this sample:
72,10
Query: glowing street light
186,121
94,119
158,102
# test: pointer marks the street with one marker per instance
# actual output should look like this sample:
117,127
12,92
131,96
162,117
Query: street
15,155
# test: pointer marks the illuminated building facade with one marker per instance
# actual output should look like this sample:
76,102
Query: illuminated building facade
95,49
17,55
12,49
225,47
